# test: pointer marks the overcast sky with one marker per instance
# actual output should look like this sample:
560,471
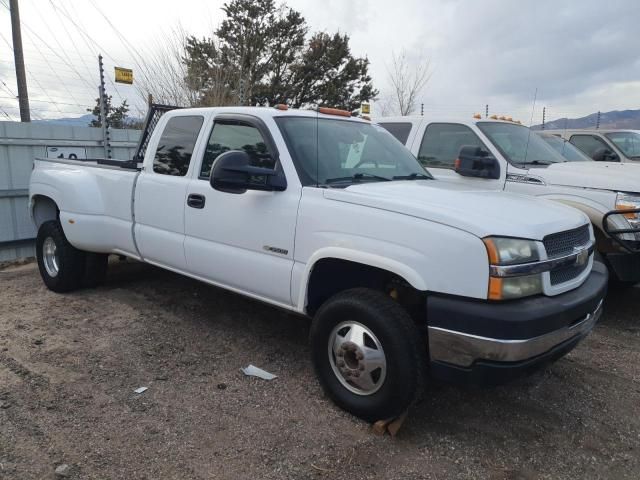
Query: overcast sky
581,56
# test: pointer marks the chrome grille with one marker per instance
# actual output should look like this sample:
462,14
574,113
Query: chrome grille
561,244
566,274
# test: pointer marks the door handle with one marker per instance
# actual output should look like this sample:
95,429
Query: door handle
195,200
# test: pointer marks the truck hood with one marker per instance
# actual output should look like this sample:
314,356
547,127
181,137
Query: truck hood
481,213
619,177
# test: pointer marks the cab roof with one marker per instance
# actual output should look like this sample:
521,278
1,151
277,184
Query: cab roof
261,112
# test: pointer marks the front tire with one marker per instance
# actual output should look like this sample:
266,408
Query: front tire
368,354
61,265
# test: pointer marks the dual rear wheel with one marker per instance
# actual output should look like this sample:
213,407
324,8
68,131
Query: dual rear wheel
62,266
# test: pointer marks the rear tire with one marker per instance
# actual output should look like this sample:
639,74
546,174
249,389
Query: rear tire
95,269
61,265
362,326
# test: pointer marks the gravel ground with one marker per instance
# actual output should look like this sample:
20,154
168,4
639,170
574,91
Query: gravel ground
69,365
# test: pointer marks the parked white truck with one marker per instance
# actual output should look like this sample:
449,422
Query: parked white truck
504,155
605,145
331,217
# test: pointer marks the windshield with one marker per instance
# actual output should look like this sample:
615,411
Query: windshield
332,152
521,146
564,148
628,142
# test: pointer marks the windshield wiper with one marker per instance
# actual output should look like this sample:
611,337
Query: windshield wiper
356,177
538,162
412,176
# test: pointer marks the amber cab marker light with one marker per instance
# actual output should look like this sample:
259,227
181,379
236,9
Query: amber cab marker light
282,106
334,111
477,116
493,117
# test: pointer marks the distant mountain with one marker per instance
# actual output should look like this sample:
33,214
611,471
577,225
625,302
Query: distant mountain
616,119
82,121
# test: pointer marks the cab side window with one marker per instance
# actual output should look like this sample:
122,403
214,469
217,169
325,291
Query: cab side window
232,135
176,144
588,144
442,142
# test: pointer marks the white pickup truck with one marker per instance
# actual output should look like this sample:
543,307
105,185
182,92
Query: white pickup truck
605,145
503,155
331,217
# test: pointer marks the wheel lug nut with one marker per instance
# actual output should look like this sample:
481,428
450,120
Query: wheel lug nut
359,355
341,363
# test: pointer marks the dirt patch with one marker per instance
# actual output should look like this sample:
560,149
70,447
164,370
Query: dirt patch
69,365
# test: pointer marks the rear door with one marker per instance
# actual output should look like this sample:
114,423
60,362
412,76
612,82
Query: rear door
161,192
241,241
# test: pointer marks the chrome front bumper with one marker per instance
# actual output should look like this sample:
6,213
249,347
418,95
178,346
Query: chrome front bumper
463,349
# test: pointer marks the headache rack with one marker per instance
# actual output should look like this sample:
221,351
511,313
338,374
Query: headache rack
617,234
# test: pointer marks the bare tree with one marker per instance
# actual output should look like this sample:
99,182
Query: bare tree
164,74
407,79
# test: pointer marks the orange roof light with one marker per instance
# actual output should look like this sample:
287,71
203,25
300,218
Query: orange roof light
502,117
334,111
493,117
477,116
366,117
509,119
282,106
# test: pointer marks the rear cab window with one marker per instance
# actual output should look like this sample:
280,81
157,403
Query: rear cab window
176,144
442,142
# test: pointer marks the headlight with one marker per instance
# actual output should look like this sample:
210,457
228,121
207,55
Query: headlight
627,201
512,251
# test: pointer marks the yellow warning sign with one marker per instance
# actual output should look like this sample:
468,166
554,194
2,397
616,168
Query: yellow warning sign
365,109
124,75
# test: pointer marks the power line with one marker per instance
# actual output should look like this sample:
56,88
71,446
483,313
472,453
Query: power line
84,34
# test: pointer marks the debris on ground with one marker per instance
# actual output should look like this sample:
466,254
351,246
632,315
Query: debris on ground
141,389
258,372
62,470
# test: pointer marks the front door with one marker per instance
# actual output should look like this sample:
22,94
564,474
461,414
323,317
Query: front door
241,241
439,148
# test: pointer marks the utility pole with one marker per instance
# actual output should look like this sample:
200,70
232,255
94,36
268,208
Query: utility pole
422,109
23,97
103,112
598,121
486,111
544,114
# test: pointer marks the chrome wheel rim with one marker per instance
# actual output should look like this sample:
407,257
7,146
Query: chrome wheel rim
50,257
357,358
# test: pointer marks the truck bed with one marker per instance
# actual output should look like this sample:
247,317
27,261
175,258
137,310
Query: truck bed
95,201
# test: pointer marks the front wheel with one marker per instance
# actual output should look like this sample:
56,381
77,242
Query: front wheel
61,265
368,354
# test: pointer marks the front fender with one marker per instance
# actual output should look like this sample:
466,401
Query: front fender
371,259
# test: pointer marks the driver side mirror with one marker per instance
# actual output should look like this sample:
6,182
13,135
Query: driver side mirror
476,162
605,155
232,172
